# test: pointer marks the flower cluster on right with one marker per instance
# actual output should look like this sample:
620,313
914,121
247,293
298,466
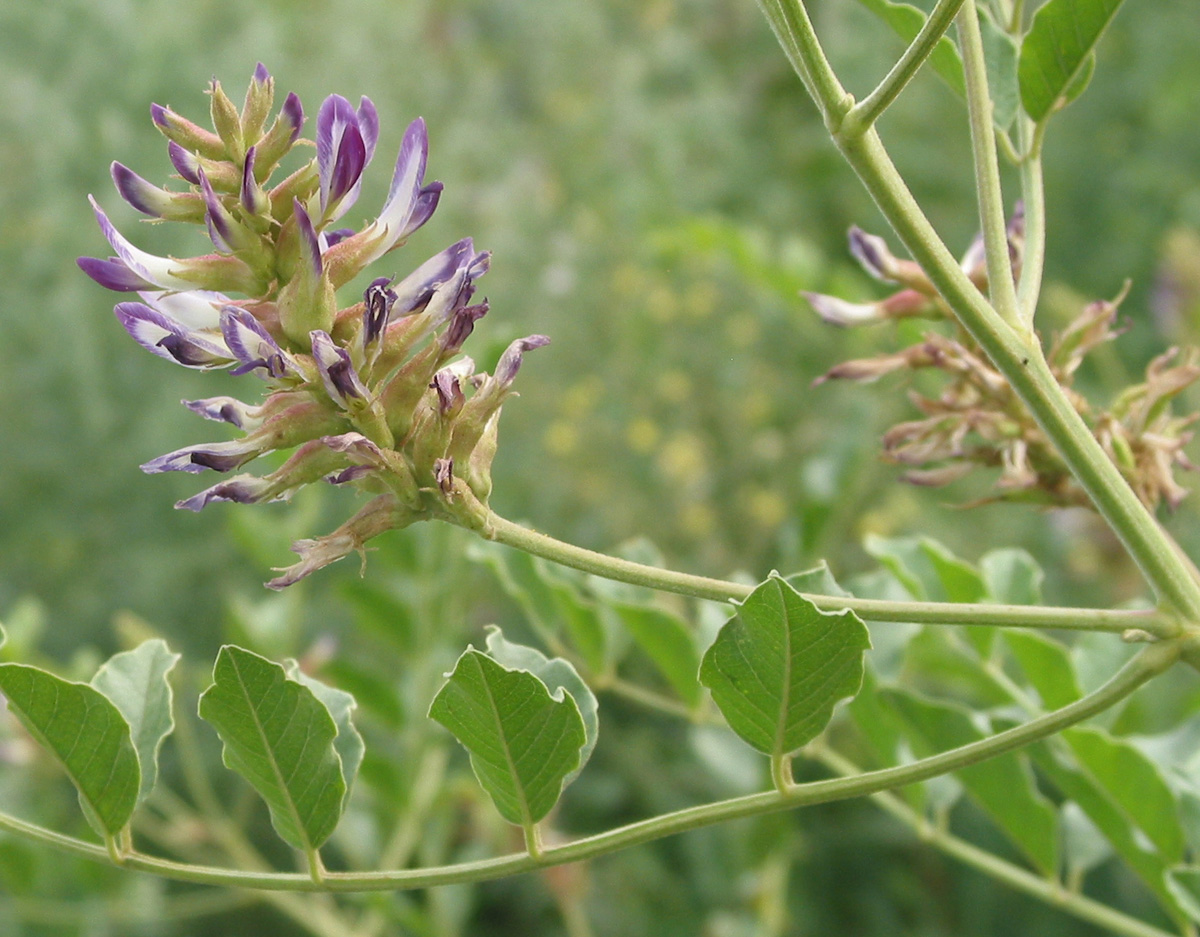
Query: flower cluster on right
978,422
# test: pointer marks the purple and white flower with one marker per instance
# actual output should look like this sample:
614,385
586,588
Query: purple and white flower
345,144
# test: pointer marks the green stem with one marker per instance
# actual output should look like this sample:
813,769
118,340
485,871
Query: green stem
1033,194
1017,357
926,613
1012,875
794,30
1151,661
866,112
987,168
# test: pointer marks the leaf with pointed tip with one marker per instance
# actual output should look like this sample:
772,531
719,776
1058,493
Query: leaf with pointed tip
136,683
1056,53
1003,786
554,672
279,737
524,741
780,665
88,735
1046,665
341,705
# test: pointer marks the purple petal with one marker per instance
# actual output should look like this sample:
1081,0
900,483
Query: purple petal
217,218
194,309
155,270
510,361
401,203
113,274
416,289
139,193
341,153
185,163
219,456
368,125
250,196
261,75
242,489
871,251
449,391
427,202
337,234
226,410
158,114
293,113
346,475
161,336
337,370
378,300
308,238
461,326
251,344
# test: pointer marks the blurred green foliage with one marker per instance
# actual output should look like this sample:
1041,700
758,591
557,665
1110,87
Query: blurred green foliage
656,190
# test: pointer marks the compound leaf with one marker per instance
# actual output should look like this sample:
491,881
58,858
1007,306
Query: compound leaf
780,665
136,683
524,741
1057,52
88,736
280,738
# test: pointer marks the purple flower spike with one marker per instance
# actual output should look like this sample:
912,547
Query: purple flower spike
242,489
113,275
162,336
337,370
152,269
185,163
510,361
251,344
342,152
227,410
218,456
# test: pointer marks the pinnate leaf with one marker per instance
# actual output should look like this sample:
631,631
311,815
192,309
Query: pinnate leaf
780,665
280,738
88,735
524,740
136,683
1056,54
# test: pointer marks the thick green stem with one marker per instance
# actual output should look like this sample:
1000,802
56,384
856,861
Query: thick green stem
1151,661
1017,356
866,112
925,613
987,168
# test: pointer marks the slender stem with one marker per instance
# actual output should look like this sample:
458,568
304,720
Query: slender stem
987,169
1033,194
1153,660
1012,875
794,30
926,613
866,112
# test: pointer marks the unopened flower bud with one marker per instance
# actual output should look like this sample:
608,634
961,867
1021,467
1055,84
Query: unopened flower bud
154,201
188,135
259,98
284,132
227,122
307,302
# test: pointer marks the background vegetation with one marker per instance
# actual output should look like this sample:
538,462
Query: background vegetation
656,190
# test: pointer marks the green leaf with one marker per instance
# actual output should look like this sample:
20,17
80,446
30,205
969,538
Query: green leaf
1135,783
88,735
816,581
279,737
669,643
524,741
780,665
1002,786
906,21
1012,577
1057,51
554,672
1184,883
136,683
1046,665
549,602
1000,56
341,705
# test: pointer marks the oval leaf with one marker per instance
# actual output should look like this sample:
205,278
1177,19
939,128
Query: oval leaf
778,667
136,683
1056,51
86,733
279,737
524,740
